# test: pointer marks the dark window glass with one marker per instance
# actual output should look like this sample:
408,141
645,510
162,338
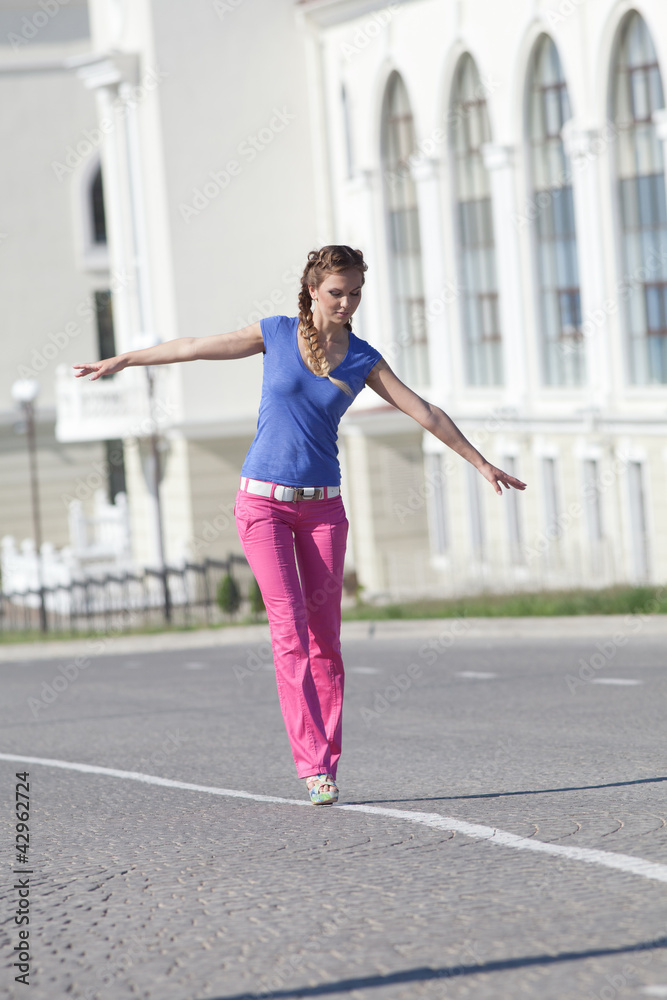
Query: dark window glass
405,259
97,209
469,129
641,193
106,341
116,469
557,264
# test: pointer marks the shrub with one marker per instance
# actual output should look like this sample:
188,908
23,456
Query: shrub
255,597
228,595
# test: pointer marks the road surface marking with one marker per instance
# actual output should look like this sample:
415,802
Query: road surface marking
622,862
614,680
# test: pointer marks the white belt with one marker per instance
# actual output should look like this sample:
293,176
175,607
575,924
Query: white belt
290,493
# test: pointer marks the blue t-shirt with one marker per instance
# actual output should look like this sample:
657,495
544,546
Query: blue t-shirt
299,412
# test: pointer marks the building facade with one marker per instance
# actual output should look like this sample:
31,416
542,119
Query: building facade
502,168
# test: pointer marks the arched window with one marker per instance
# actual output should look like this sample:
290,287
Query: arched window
398,145
555,236
97,218
637,93
469,129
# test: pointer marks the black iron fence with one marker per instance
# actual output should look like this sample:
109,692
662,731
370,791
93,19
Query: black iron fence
208,593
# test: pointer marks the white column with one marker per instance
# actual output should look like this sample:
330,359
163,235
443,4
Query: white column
104,76
438,292
113,77
498,160
146,335
581,147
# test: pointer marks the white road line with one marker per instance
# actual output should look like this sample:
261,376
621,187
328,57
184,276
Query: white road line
476,675
622,862
614,680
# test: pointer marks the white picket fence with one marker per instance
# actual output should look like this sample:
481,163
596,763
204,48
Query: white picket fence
99,545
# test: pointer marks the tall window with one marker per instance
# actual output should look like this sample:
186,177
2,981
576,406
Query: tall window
593,507
398,145
514,531
551,500
556,243
106,338
439,519
637,93
593,500
640,542
474,228
115,459
98,219
477,532
106,343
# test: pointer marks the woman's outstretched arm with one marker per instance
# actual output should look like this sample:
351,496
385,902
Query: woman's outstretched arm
221,347
387,385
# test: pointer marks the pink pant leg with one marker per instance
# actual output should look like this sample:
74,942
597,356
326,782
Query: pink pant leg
267,532
320,551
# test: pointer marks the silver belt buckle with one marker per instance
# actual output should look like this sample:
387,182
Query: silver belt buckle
309,493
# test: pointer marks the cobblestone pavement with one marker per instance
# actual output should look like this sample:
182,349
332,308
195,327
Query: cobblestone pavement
156,892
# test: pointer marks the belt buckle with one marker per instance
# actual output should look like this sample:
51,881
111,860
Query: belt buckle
314,493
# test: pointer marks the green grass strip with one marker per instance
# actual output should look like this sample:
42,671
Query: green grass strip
611,601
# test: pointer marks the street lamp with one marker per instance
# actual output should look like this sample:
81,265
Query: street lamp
25,392
155,452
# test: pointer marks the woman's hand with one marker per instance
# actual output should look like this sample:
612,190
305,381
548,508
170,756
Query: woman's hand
96,369
496,476
221,347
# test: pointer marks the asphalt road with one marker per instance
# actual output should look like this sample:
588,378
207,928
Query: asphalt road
158,891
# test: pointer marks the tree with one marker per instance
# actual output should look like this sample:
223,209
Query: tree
228,594
255,596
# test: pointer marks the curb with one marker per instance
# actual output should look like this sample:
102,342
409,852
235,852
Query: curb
462,629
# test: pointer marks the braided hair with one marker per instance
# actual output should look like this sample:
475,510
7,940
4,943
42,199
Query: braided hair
321,263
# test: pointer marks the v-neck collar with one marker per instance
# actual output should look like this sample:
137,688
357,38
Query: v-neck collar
295,342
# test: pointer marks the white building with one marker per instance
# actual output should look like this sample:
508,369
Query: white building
500,165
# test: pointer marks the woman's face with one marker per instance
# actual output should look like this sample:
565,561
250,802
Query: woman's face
338,296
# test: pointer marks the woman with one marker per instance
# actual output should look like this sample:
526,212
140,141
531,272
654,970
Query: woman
289,510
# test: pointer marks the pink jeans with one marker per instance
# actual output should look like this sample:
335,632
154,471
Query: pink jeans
304,612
